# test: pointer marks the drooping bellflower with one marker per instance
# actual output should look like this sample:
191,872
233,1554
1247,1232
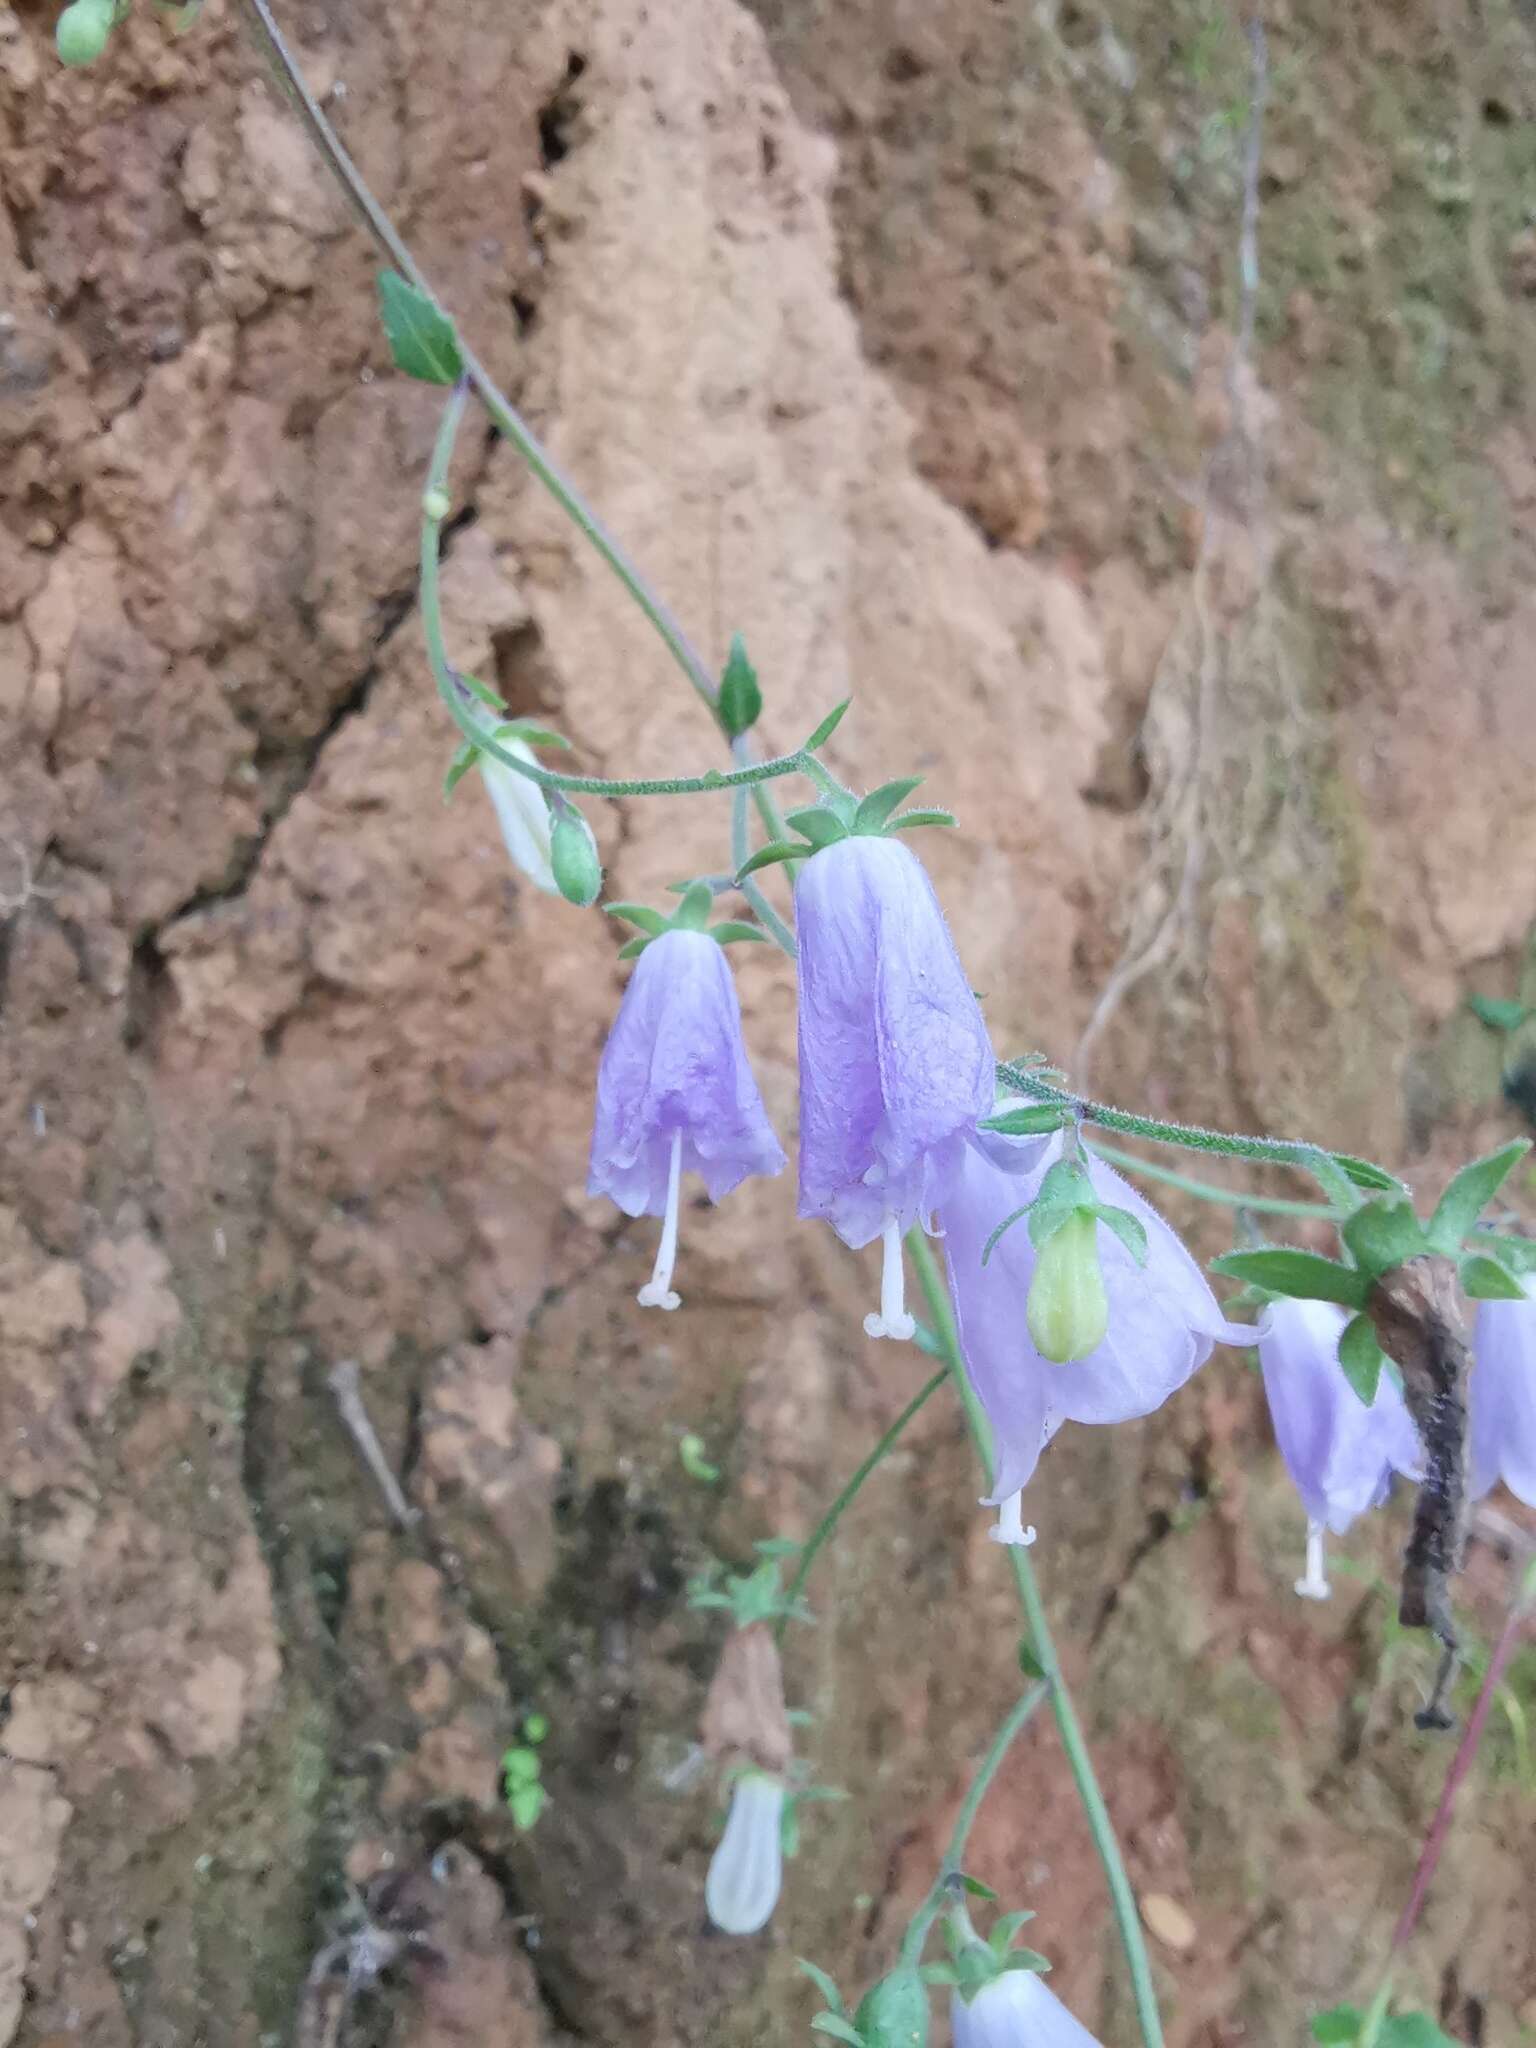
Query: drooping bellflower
1340,1454
747,1868
1016,2010
1163,1318
1501,1398
895,1063
675,1094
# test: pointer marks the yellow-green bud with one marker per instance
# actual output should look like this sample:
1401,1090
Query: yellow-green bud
573,857
436,505
83,29
1068,1309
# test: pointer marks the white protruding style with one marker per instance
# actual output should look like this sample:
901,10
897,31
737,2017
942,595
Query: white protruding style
657,1291
747,1868
1009,1527
892,1320
1315,1586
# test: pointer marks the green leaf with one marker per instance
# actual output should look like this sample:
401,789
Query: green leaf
839,2028
1030,1122
1498,1012
1000,1935
525,1803
1336,2027
821,827
1484,1279
535,1727
977,1889
741,701
1361,1357
1413,2030
641,914
765,857
734,929
1382,1235
823,1983
1029,1663
421,336
827,727
481,690
909,821
692,912
876,808
1027,1959
1306,1276
530,734
1130,1230
1363,1173
635,947
520,1766
1518,1253
459,767
1469,1195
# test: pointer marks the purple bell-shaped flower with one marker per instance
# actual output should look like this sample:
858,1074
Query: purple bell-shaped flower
1162,1318
895,1062
675,1093
1340,1454
1502,1397
1016,2010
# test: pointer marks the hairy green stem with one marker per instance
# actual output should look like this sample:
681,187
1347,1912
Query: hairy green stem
954,1856
834,1514
1233,1198
1079,1763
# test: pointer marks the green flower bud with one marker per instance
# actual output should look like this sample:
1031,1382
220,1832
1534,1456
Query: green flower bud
894,2012
573,856
1068,1309
436,505
83,30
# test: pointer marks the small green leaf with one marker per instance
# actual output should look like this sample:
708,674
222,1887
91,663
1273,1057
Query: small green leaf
1363,1173
1000,1935
520,1766
910,821
1029,1663
690,1452
976,1888
840,2029
823,1983
1305,1276
486,695
1006,1225
1027,1959
1469,1195
1130,1230
421,336
525,1803
876,808
777,1546
635,947
827,727
459,767
1029,1122
1361,1357
1499,1012
535,1727
821,827
641,914
734,929
692,912
1484,1279
741,701
1383,1235
940,1974
1518,1253
532,735
766,856
1337,2027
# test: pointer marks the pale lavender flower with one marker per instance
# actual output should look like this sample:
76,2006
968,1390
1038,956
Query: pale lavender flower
1502,1397
1163,1317
1016,2010
1340,1454
895,1063
747,1868
675,1093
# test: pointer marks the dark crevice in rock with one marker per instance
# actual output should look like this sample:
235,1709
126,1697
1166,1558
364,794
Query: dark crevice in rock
1159,1526
559,112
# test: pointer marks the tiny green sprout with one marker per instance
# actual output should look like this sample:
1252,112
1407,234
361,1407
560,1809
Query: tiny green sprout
690,1452
83,29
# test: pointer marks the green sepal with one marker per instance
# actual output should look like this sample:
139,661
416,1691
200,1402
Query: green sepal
1364,1173
635,947
1469,1194
894,2012
820,826
839,2028
1029,1663
1065,1192
1499,1012
741,701
823,1983
975,1968
766,856
975,1887
909,821
1000,1935
1027,1959
649,921
1361,1357
875,809
1304,1276
1382,1235
694,906
464,759
827,727
1485,1279
422,340
1130,1230
530,734
1518,1253
481,690
1006,1225
1030,1122
735,928
943,1975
